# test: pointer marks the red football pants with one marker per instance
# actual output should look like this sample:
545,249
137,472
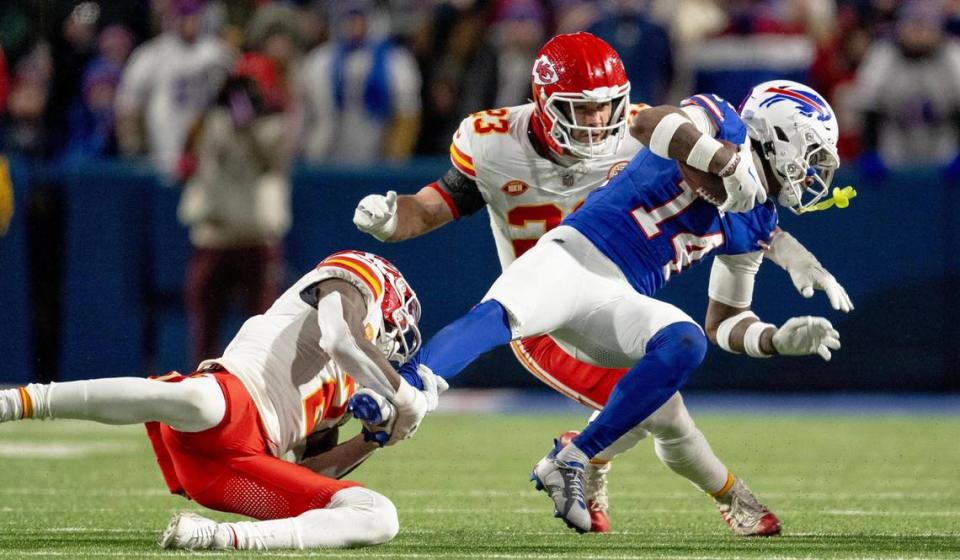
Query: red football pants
587,384
229,467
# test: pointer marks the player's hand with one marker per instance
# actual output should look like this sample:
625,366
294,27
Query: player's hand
812,276
375,413
743,185
804,336
377,215
411,407
433,386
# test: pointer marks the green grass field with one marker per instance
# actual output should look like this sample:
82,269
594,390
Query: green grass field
845,487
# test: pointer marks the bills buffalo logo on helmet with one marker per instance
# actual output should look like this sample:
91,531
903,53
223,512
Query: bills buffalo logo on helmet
543,72
807,102
617,168
514,188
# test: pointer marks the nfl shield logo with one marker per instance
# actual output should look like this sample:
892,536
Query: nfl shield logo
514,188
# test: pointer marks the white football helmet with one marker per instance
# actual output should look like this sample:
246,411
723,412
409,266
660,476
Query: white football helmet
798,133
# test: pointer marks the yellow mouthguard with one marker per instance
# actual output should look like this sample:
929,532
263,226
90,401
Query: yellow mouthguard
840,199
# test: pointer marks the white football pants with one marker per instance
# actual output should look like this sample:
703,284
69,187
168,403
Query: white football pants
566,287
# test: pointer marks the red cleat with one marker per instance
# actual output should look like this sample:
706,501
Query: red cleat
745,514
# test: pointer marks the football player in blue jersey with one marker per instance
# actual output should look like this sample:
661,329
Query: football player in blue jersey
625,242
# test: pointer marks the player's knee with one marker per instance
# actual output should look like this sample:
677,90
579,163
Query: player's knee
685,343
386,521
200,403
376,516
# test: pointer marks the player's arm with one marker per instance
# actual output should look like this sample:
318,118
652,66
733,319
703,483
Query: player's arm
395,218
681,135
731,325
341,310
339,460
805,270
670,133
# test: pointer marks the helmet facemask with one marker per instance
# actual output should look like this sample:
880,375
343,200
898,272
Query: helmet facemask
803,160
602,140
399,337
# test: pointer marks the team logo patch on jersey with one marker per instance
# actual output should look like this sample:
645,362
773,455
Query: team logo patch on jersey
617,168
544,73
514,188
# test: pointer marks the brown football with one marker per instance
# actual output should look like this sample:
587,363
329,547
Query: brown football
710,186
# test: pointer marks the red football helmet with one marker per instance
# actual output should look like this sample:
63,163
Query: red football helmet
394,329
580,68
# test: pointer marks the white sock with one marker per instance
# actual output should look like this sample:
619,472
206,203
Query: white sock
626,442
690,456
354,517
572,453
192,405
11,405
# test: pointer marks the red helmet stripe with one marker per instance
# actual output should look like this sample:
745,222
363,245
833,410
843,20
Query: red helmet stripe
462,161
359,268
797,95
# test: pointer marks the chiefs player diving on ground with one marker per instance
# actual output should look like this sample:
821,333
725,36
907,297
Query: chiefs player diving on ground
532,166
218,434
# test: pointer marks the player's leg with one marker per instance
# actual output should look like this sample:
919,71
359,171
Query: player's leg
683,448
297,508
192,405
679,444
525,300
667,345
228,468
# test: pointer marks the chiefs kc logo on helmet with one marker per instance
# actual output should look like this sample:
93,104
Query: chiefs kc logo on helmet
544,73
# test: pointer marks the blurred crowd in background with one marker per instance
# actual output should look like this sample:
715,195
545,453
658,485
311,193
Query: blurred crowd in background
364,81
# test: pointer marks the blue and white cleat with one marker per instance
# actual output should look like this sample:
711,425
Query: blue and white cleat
563,482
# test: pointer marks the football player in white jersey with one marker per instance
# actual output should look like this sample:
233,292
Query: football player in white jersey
219,433
534,164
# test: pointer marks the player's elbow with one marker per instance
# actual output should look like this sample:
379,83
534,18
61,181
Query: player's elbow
646,121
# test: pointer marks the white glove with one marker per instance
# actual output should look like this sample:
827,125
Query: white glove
377,215
806,272
743,186
433,386
814,277
803,336
411,406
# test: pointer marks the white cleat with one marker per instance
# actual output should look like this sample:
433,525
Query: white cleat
563,482
745,515
189,531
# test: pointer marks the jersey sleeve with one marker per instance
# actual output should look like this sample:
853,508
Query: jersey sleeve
461,149
723,115
749,231
460,192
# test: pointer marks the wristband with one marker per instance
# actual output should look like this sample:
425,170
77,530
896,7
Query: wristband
726,327
751,339
702,153
663,134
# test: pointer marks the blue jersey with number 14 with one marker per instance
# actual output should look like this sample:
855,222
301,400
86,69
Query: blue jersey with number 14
650,223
